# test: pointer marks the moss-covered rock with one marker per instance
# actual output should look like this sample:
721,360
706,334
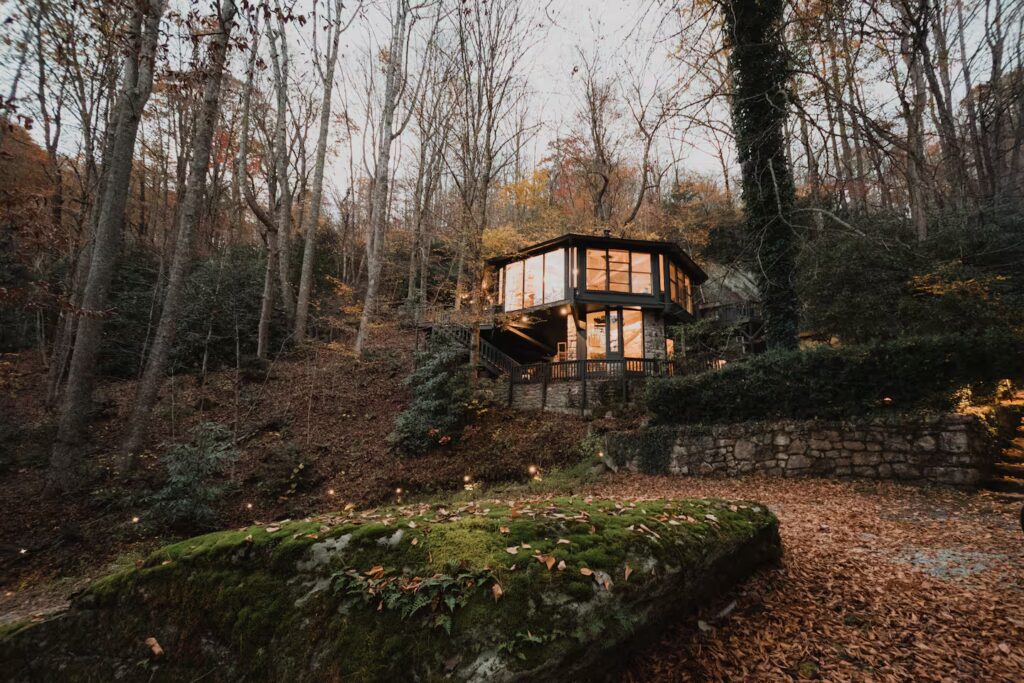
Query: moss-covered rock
497,592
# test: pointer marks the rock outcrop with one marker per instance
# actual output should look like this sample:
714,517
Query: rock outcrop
500,591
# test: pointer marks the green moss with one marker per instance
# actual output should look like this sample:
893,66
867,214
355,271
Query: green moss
353,597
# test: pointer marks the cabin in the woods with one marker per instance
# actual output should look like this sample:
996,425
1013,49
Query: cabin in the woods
583,307
595,298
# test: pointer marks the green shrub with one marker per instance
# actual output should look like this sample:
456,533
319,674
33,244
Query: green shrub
185,500
650,447
440,400
835,383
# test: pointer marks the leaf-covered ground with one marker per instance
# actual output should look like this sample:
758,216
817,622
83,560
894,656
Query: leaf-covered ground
879,581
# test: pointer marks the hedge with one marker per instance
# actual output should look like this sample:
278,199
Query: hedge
910,373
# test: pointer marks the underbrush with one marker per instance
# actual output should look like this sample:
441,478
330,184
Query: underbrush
912,373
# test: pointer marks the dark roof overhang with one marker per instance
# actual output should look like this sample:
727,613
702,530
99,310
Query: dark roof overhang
671,249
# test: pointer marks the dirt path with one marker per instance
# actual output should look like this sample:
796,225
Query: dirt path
879,582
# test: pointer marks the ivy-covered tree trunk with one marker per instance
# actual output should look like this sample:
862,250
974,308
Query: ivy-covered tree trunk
754,31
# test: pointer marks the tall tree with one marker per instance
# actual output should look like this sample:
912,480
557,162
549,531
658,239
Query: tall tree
312,216
395,83
760,74
137,84
188,217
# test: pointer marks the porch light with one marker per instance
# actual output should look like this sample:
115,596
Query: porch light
565,310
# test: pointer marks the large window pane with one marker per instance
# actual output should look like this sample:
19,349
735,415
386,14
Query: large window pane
641,267
673,282
514,286
633,333
533,281
597,269
613,332
597,330
554,276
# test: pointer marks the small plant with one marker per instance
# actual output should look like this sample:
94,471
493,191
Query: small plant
186,498
440,402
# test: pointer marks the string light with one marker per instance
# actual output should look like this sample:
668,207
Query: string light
532,469
23,551
330,492
398,491
248,506
135,520
466,478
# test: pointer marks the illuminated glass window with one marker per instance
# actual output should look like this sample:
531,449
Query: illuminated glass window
640,267
632,333
597,335
554,276
514,286
597,269
618,270
538,280
533,281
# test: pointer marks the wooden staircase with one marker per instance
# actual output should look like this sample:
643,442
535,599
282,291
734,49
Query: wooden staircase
491,357
1008,471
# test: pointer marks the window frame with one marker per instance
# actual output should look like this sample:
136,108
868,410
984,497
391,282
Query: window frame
608,271
541,299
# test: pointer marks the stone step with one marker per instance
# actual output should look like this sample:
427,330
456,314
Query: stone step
1010,497
1005,484
1009,469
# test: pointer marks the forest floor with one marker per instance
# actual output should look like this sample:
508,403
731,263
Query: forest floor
880,581
311,433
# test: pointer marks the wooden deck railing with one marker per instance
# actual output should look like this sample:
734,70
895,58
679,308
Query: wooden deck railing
626,368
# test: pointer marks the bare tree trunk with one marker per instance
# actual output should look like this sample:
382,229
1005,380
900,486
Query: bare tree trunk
65,462
279,61
195,188
378,201
313,215
913,113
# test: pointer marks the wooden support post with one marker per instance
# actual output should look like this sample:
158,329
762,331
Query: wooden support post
510,390
583,377
544,386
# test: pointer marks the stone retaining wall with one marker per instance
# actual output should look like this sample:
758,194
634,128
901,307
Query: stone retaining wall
952,449
568,396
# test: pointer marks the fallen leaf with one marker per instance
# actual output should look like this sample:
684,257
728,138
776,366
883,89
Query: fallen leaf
561,565
496,591
550,562
586,572
629,570
154,647
512,549
414,541
273,529
564,541
503,529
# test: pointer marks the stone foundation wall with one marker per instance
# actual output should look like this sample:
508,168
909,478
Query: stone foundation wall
949,449
568,397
